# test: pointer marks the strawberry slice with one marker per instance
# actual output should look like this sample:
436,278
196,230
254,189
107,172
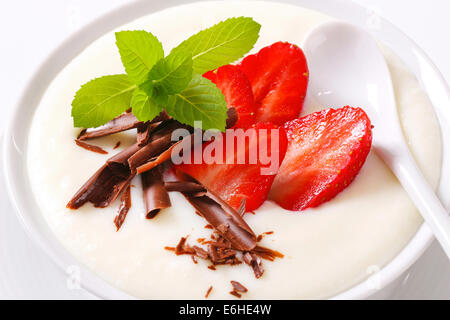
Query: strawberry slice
279,78
326,150
237,177
237,91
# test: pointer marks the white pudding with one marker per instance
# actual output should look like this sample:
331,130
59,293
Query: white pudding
327,249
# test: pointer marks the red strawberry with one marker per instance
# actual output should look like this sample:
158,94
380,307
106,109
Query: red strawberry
279,78
237,91
326,150
233,181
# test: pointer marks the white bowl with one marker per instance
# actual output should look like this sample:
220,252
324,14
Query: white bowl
378,286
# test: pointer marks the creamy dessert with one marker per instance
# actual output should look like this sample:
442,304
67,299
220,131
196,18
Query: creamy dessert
326,249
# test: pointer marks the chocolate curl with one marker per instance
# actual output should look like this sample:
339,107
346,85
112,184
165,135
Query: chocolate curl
156,196
144,132
101,189
237,286
267,253
224,219
121,123
254,262
164,156
90,147
241,209
119,162
125,206
148,157
232,117
184,186
159,141
125,121
107,183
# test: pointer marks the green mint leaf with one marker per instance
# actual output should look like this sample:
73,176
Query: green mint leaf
172,73
221,44
139,51
169,76
101,100
144,107
200,101
158,94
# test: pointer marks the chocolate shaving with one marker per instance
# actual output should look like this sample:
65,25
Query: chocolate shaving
232,117
116,145
156,196
125,121
184,186
238,287
267,253
199,252
146,155
144,132
208,292
119,162
241,209
224,219
253,261
107,183
125,206
236,294
90,147
155,161
262,235
159,141
184,143
101,189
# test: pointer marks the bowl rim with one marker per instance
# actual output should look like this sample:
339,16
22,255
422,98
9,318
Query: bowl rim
427,73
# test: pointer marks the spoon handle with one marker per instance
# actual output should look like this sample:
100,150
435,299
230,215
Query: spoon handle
423,196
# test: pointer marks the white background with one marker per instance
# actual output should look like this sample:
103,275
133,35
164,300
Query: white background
30,29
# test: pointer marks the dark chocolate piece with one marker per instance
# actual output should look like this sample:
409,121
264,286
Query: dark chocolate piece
125,206
267,253
232,117
160,140
241,209
101,189
225,219
90,147
107,183
116,145
156,196
144,132
184,186
238,286
125,121
208,292
236,294
253,261
183,248
121,158
164,156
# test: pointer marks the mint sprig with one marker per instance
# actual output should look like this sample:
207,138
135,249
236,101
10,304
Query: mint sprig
101,100
173,83
139,51
221,44
145,108
200,101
